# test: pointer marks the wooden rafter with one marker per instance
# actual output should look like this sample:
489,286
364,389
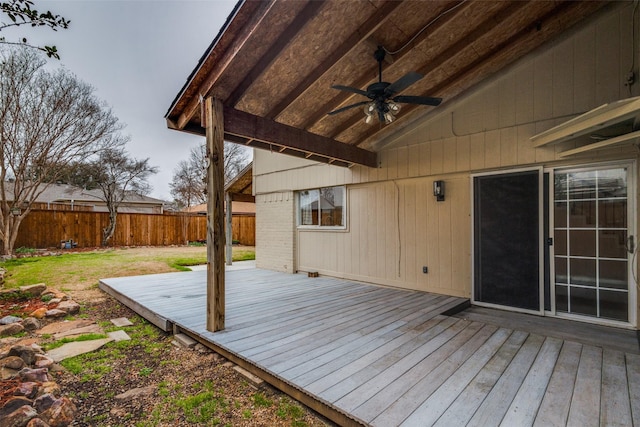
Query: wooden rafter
365,77
486,26
362,33
269,132
221,66
254,66
308,13
520,42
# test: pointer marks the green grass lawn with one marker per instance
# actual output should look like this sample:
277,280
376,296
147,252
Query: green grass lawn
84,269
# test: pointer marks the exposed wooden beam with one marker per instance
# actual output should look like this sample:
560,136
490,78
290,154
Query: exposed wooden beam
365,77
554,21
305,15
360,34
242,124
215,215
221,65
487,26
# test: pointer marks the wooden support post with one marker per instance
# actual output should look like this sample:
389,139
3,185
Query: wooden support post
229,229
215,214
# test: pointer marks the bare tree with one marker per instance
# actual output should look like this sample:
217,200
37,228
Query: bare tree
188,186
236,157
116,175
20,13
47,119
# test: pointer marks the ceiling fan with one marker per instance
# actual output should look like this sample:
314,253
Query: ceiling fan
383,102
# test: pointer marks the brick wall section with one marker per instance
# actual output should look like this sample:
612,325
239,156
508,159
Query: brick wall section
275,228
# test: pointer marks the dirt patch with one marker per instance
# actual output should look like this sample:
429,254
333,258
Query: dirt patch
177,378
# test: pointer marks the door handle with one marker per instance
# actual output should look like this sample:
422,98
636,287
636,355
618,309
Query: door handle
631,245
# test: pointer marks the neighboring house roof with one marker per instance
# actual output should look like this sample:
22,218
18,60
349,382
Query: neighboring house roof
242,183
63,193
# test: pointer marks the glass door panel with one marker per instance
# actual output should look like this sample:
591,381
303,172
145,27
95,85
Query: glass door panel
590,249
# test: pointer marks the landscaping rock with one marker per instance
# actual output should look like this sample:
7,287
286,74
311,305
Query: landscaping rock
44,402
136,392
51,388
28,354
38,375
61,413
43,361
7,320
8,373
31,324
76,348
54,301
59,327
39,313
37,348
12,329
121,321
70,306
18,418
91,329
27,389
12,362
12,404
35,290
119,336
55,313
37,422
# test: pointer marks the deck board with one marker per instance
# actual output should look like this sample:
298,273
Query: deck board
585,403
370,355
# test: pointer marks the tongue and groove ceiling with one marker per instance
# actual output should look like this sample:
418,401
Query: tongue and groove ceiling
273,64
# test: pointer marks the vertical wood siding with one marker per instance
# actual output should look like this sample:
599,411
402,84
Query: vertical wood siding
395,226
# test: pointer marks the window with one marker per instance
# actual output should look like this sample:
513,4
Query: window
322,207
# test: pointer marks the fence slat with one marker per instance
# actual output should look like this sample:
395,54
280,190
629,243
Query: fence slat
45,228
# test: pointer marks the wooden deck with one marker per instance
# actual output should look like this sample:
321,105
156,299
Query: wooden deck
364,354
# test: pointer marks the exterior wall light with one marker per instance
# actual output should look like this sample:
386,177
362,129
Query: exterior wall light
438,190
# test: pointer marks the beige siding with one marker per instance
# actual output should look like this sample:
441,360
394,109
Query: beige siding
394,229
395,226
275,224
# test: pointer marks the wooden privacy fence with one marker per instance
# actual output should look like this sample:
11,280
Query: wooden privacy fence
47,228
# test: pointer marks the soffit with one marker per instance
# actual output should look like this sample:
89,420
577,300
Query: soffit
274,63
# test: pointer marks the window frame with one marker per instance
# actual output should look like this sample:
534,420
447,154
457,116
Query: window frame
319,226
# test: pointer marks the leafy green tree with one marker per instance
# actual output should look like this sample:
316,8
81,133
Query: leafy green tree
21,13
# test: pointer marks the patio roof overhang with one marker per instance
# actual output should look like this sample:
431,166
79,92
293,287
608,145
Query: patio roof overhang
273,64
265,81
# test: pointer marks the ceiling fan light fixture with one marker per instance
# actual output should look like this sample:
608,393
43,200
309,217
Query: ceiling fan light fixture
368,119
369,111
388,117
393,107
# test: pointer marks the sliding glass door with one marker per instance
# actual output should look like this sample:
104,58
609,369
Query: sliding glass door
592,242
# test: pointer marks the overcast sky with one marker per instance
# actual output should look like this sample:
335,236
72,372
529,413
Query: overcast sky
137,55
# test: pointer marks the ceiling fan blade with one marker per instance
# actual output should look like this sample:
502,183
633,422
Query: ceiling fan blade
348,107
351,89
422,100
402,83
